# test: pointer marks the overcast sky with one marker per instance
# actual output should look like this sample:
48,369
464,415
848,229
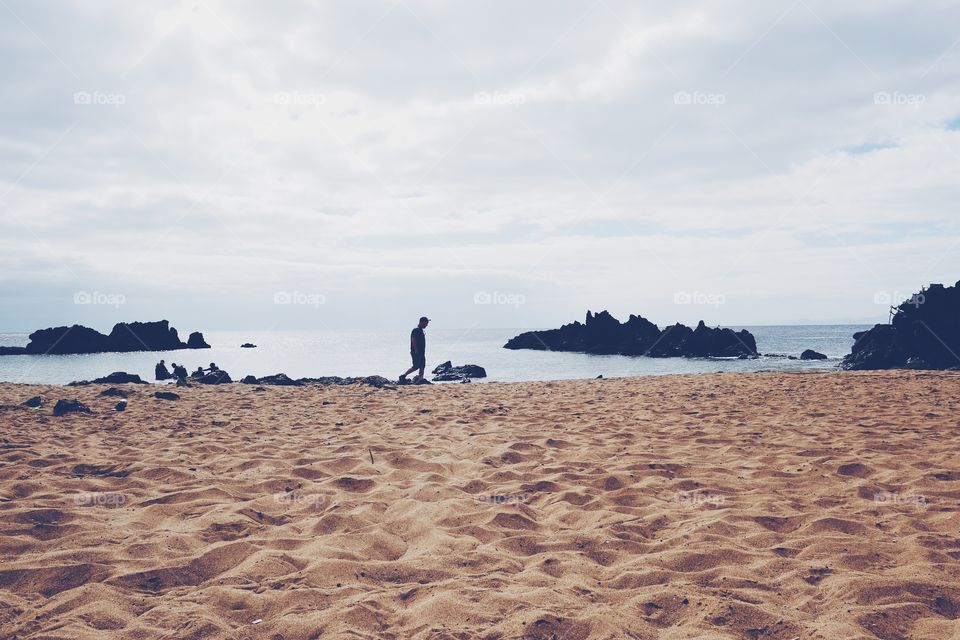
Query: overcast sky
263,165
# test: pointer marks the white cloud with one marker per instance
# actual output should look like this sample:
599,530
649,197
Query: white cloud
345,146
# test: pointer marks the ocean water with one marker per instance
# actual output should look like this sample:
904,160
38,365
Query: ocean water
386,353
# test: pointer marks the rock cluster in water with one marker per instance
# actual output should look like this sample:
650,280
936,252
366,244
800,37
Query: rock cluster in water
133,336
446,372
603,334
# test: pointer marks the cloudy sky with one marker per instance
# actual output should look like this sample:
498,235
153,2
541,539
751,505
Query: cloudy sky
262,165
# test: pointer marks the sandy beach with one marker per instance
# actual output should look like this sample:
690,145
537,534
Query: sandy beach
757,506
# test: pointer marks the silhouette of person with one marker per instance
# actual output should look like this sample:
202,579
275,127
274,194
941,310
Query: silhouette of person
418,350
160,371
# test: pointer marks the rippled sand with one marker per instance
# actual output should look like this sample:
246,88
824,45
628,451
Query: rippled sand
716,506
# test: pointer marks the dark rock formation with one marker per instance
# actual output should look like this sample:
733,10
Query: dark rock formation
278,379
143,336
213,377
135,336
113,392
282,379
166,395
446,372
604,334
120,406
923,334
60,340
248,345
34,403
810,354
405,381
196,341
120,377
63,407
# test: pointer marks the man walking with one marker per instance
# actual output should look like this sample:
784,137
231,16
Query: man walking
418,350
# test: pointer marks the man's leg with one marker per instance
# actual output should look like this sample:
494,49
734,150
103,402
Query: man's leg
408,371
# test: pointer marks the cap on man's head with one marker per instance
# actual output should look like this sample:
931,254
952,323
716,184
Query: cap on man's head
424,319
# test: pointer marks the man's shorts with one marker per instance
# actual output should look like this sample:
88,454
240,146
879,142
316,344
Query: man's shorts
419,360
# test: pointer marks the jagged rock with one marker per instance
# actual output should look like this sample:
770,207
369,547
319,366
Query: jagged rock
166,395
446,372
924,333
63,340
143,336
195,341
64,407
603,334
279,379
120,377
249,380
124,337
34,403
810,354
113,392
374,381
248,345
214,377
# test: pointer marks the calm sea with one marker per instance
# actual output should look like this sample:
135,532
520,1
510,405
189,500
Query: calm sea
359,353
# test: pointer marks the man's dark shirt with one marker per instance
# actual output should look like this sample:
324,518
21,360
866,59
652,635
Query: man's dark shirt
418,343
